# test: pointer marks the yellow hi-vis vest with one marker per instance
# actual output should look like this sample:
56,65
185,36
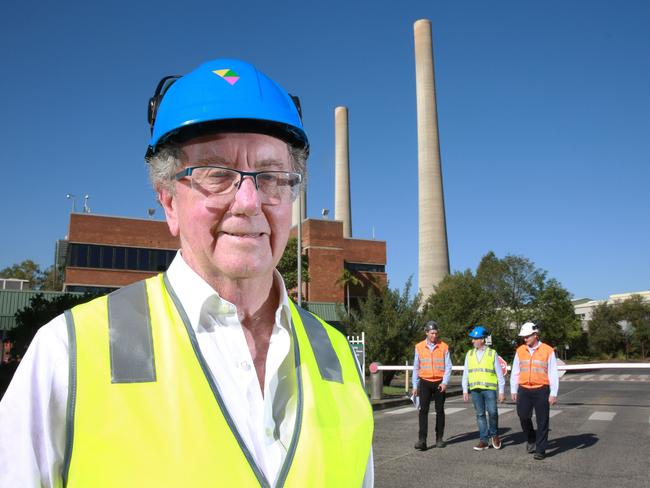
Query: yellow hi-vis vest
481,375
144,411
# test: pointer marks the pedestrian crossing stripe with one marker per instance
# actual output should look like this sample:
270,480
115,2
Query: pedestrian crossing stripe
607,416
398,411
503,411
453,410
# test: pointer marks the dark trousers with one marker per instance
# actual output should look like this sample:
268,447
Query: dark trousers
427,390
527,400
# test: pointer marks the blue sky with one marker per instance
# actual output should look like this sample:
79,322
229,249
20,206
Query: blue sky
544,114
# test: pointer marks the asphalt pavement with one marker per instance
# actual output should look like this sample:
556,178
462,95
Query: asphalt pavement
600,437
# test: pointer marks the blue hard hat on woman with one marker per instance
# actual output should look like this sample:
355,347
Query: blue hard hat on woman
478,332
223,95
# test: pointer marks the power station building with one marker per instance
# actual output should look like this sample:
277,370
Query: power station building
103,253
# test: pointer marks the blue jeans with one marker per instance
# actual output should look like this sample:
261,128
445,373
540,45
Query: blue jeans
486,400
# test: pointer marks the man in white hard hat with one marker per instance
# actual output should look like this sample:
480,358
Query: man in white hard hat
534,384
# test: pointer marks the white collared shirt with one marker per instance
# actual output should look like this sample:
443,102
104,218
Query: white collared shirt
33,410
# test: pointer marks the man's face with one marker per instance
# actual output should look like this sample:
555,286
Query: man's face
239,238
478,343
432,335
531,340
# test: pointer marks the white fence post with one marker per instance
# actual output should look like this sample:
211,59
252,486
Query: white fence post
358,344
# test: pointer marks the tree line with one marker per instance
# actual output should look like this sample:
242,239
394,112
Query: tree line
501,294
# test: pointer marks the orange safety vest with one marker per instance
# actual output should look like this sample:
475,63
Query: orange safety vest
432,363
533,369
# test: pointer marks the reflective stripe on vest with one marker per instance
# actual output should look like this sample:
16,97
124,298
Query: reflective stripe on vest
432,363
143,408
481,374
533,369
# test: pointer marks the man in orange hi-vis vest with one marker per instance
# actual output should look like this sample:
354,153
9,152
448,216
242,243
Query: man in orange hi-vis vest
431,372
534,384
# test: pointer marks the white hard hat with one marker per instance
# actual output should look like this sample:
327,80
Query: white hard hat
527,329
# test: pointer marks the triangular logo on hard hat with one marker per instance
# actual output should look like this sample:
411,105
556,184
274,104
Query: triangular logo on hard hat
227,74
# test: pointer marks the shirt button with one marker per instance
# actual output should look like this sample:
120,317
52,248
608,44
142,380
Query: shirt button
245,365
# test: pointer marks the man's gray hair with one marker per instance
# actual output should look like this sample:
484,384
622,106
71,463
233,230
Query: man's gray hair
169,159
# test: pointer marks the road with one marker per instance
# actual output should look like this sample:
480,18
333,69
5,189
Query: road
600,437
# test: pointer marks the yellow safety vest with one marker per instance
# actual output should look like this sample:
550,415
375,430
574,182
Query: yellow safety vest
144,411
481,374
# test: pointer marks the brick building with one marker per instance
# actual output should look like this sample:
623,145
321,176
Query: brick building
103,253
330,253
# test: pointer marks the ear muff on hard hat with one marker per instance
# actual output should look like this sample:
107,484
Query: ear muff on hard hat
224,95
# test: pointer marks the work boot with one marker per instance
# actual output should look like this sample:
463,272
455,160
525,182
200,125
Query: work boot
440,443
482,446
530,447
539,456
421,445
496,441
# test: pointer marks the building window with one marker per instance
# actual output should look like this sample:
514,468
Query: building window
118,257
373,268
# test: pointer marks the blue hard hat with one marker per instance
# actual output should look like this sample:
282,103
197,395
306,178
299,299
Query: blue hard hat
223,95
478,332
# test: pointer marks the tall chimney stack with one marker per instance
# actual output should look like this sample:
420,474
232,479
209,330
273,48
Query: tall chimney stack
433,263
342,171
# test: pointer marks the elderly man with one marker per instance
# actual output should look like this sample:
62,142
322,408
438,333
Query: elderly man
206,375
482,375
534,385
431,373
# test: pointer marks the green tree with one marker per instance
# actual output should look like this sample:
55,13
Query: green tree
605,335
554,313
513,283
39,312
38,279
288,266
503,294
636,314
26,270
52,279
345,281
392,322
458,304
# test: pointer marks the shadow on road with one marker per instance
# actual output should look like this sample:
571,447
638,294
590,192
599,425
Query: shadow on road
470,436
569,442
555,446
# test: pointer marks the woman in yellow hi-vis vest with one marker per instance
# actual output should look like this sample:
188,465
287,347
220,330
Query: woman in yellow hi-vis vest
482,376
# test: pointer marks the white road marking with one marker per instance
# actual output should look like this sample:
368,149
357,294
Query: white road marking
624,377
503,411
449,411
398,411
553,413
602,416
605,377
586,377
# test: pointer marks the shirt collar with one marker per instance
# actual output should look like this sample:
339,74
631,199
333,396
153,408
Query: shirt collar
198,297
539,343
